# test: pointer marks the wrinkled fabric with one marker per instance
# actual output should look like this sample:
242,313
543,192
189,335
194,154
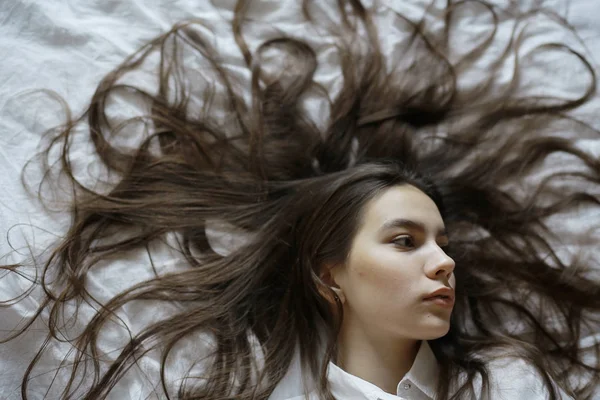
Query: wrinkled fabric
68,46
511,379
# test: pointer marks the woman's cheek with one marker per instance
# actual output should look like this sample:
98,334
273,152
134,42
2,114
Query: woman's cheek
388,272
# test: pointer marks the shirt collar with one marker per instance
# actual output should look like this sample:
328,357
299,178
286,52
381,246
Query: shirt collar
425,370
423,374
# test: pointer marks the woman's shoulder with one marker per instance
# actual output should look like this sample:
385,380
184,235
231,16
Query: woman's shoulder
511,377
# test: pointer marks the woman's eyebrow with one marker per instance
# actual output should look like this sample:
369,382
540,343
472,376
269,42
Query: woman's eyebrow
407,223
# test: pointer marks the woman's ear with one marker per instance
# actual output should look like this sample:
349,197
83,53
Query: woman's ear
340,294
327,275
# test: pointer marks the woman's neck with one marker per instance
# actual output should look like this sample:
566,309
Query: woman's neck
383,361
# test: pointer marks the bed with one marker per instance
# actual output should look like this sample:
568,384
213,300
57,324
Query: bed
66,47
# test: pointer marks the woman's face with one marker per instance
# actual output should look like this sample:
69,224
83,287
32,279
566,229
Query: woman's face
396,261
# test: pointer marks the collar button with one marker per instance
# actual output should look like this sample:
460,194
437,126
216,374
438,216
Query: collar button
407,386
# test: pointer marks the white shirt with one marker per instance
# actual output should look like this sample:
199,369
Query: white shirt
510,379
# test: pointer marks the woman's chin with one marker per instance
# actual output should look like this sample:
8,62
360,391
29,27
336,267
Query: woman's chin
436,330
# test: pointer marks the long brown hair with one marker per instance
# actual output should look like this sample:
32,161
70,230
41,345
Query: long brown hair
296,187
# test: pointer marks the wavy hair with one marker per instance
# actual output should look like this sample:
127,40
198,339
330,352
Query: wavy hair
296,187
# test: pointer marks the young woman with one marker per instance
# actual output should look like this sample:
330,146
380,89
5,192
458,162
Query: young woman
387,252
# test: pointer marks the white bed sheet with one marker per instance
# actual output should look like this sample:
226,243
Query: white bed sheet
67,46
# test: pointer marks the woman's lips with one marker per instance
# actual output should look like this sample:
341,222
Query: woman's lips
442,301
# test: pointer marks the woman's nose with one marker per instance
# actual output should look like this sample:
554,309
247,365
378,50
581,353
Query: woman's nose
441,264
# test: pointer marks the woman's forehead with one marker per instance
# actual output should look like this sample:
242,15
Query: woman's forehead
403,203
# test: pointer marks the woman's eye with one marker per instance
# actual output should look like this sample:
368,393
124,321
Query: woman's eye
404,241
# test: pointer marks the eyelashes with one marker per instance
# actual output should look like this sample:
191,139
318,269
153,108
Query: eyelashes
407,241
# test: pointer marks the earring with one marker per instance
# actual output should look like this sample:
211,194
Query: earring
338,295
